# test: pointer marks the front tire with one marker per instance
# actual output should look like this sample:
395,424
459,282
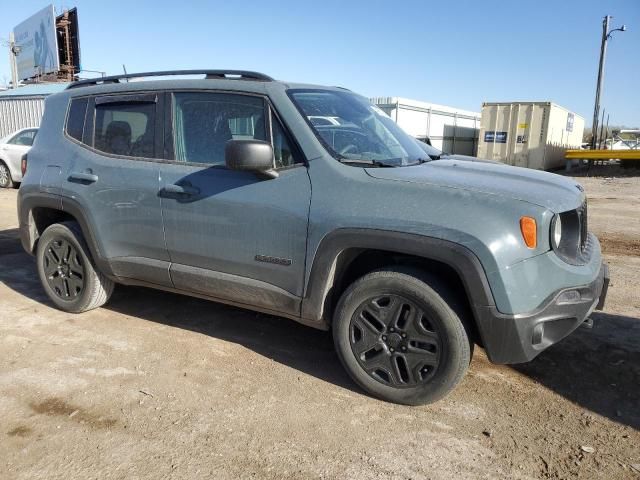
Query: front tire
66,271
399,336
5,176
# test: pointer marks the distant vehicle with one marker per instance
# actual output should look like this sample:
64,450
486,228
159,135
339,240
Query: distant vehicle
224,188
624,140
434,154
430,150
12,148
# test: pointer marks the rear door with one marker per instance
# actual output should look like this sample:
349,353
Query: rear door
113,179
233,235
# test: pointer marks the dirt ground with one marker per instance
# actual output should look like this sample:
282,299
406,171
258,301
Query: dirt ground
156,385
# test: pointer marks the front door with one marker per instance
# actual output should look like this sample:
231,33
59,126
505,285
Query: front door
233,235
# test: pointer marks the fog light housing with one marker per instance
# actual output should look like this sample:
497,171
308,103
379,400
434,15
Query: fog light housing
569,296
538,333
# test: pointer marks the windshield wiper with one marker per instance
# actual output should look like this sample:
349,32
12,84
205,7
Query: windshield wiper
371,163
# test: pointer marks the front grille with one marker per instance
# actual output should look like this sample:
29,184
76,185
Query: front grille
584,233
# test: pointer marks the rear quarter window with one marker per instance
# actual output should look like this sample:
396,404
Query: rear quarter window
75,118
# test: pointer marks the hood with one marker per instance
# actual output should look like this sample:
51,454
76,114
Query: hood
545,189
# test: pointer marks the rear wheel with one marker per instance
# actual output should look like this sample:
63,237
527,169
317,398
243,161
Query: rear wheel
5,176
66,271
399,337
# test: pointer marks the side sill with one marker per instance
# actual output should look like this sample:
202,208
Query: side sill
235,303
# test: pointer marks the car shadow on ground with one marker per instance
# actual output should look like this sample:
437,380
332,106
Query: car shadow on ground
303,348
285,341
597,369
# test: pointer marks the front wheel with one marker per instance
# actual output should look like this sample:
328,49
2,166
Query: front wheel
399,337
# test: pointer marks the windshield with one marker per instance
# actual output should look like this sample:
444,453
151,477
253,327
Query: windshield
354,130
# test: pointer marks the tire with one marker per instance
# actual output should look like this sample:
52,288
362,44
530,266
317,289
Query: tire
67,272
399,335
5,176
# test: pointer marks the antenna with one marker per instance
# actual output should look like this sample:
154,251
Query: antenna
125,72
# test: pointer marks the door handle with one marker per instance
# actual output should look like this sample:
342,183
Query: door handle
83,176
173,189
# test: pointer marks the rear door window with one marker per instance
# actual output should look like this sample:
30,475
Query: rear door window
125,127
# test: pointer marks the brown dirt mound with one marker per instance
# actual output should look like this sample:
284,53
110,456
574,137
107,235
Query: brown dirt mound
617,244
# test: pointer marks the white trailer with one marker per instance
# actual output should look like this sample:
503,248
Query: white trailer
528,134
449,129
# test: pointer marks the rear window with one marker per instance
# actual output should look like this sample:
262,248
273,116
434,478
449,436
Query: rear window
75,119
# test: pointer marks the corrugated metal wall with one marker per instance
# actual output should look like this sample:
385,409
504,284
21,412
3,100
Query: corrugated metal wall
20,112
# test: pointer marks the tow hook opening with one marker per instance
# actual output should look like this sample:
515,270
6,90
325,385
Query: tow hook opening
588,323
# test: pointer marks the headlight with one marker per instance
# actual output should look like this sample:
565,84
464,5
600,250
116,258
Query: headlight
557,231
564,236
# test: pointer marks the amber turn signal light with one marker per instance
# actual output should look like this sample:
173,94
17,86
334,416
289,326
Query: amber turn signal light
529,231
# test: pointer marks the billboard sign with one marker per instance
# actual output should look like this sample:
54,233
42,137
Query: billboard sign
36,38
69,48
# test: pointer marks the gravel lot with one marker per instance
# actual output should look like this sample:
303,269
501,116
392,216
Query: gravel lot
156,385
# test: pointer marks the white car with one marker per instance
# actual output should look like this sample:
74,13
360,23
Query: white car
12,148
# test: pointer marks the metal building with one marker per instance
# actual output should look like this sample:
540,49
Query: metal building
529,134
450,129
23,107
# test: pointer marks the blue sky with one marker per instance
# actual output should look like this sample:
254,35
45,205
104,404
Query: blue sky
454,53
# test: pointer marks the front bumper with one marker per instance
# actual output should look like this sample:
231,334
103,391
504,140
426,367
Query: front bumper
520,338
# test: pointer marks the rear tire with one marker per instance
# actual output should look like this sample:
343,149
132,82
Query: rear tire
5,176
67,272
399,336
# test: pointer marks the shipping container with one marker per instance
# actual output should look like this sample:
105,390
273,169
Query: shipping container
449,129
528,134
23,107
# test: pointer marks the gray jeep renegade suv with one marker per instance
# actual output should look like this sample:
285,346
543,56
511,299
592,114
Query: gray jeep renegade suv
307,202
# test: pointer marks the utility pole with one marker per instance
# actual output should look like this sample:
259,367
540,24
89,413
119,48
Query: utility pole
14,50
606,35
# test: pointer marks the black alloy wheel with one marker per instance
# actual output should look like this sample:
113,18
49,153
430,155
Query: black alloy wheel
394,341
63,268
399,334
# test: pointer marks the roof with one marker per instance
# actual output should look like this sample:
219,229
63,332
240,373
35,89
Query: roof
34,90
213,79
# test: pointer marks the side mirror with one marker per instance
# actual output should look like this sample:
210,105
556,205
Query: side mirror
250,155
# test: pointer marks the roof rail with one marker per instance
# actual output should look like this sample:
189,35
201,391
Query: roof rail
209,74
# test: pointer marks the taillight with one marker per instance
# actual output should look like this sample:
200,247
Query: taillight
23,164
